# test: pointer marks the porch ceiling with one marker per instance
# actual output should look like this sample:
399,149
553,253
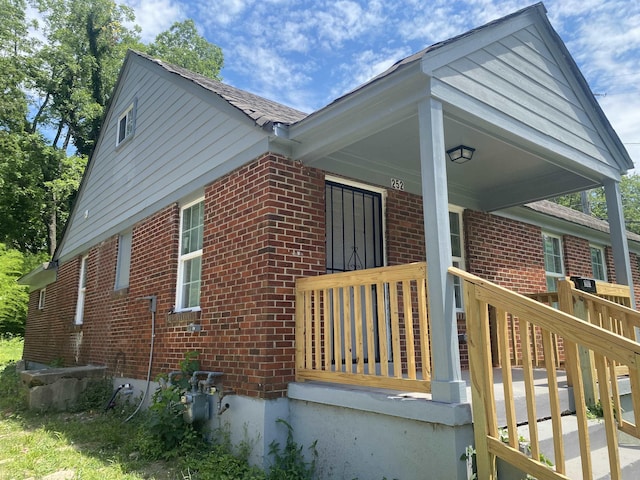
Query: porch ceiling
505,170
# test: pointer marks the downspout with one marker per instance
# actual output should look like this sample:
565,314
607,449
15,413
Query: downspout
152,308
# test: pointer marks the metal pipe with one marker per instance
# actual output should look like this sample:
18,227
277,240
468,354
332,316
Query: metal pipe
152,308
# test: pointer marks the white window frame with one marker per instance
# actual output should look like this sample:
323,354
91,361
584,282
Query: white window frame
458,261
129,119
553,275
123,265
603,259
41,298
82,290
182,259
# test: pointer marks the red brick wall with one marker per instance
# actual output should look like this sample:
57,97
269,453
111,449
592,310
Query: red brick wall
504,251
405,228
48,330
577,256
264,227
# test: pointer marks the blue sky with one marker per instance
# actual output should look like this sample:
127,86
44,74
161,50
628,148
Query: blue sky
307,53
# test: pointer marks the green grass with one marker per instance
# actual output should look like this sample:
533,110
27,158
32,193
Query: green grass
94,444
10,349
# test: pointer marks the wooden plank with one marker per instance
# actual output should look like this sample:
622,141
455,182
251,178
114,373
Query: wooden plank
328,344
609,420
337,329
357,320
317,331
408,327
299,333
588,314
485,461
383,339
373,381
370,321
395,330
507,380
396,273
529,390
346,325
307,330
554,401
423,320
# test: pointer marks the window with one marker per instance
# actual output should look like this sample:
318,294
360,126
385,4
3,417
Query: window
124,261
190,259
553,264
41,299
457,253
82,288
598,264
126,124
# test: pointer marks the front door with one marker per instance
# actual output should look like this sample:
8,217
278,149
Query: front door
354,241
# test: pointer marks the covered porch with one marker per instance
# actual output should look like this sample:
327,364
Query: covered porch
511,91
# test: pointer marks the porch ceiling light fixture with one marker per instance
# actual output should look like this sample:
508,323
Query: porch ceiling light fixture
460,154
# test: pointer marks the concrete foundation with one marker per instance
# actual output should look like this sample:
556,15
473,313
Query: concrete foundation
59,389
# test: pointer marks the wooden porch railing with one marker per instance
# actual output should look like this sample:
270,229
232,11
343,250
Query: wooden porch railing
366,327
607,347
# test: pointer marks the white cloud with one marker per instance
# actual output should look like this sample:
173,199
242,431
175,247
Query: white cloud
155,16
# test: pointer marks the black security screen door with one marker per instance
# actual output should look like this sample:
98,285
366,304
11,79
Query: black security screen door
354,228
354,242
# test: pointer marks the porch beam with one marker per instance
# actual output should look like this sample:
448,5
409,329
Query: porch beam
618,233
447,385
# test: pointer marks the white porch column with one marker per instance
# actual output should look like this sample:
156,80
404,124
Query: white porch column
618,233
447,384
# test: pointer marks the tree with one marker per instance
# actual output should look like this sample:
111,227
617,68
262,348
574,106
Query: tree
630,193
183,46
14,297
55,92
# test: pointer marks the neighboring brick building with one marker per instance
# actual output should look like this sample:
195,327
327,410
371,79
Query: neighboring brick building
212,202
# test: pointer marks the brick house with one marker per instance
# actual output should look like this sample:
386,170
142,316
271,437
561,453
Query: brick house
213,201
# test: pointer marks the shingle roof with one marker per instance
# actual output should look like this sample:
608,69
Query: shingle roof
574,216
259,109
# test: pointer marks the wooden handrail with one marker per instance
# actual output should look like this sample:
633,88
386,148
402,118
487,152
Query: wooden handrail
607,346
366,327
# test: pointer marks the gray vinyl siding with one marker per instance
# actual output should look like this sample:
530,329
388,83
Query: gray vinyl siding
183,139
520,76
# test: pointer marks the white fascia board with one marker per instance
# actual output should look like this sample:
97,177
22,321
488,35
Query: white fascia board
475,40
41,276
452,96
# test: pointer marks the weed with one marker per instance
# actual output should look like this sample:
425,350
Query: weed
14,397
289,463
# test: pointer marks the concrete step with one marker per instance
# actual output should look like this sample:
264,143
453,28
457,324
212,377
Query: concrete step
628,448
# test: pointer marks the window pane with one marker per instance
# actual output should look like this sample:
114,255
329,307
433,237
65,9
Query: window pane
597,264
454,225
192,228
122,129
191,283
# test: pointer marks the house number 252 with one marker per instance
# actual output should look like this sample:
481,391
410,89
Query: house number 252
397,184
